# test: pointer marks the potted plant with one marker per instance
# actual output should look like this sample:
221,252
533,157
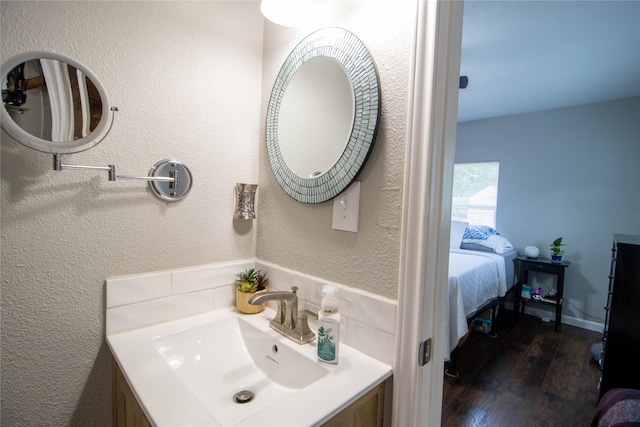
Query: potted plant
556,250
248,283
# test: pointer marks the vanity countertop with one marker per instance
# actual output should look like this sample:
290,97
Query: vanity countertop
169,399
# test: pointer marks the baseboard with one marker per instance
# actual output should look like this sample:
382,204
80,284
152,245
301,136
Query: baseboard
581,323
567,320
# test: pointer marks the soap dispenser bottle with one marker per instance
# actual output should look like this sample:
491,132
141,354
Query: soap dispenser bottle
329,326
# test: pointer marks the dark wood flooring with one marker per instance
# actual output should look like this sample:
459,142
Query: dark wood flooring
529,375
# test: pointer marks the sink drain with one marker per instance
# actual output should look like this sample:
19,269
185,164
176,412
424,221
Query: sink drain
244,396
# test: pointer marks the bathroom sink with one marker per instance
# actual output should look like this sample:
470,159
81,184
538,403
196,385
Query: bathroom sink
259,369
223,368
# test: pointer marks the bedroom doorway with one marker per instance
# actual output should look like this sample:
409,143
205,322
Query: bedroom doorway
605,23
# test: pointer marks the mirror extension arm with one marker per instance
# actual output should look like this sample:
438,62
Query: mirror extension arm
170,180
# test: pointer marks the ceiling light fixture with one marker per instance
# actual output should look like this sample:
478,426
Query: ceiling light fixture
289,13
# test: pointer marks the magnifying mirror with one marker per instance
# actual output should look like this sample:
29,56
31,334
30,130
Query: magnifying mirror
53,103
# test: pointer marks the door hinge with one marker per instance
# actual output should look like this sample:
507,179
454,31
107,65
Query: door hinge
424,354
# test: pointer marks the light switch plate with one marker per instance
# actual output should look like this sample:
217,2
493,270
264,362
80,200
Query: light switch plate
346,209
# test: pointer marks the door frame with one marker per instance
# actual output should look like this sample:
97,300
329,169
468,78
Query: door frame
426,219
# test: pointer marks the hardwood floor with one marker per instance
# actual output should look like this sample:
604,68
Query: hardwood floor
529,375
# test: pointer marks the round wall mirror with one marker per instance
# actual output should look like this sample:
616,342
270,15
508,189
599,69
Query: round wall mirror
323,115
323,87
53,104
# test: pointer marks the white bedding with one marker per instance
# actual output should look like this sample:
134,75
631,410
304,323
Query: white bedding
474,279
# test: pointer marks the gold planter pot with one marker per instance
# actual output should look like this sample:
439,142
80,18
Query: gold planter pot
242,302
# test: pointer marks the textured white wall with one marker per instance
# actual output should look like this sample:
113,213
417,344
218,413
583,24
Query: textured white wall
299,236
570,172
187,79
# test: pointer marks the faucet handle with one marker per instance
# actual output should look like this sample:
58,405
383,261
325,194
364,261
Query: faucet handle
294,289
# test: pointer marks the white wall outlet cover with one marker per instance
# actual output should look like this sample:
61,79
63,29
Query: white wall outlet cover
346,209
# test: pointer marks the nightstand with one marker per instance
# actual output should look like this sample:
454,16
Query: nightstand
541,265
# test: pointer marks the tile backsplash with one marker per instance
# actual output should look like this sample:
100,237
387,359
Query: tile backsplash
368,321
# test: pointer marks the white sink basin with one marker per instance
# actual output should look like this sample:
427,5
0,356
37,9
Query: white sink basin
254,360
187,371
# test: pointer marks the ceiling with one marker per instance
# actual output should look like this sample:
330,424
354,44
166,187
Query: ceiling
523,56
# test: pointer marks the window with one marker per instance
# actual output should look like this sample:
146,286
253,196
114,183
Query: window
475,192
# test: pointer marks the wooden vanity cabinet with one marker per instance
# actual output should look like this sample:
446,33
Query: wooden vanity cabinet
368,411
126,409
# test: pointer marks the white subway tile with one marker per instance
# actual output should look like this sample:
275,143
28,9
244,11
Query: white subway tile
143,287
283,279
207,276
377,312
370,341
132,316
315,290
224,296
279,278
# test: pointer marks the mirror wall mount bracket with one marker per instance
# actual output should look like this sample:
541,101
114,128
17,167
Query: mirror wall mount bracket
170,180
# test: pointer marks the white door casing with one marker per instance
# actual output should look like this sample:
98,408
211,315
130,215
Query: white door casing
426,218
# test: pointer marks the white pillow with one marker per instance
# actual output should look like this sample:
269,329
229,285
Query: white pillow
497,243
457,231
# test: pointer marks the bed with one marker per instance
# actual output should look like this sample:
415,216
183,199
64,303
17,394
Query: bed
481,274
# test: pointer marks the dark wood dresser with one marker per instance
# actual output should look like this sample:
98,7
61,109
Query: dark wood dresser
620,356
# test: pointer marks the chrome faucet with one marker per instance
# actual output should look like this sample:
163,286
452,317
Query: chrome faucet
288,321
